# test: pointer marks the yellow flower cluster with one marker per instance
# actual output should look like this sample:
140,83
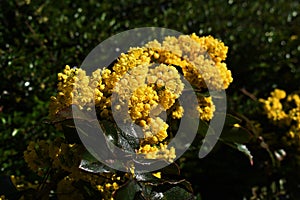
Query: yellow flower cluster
109,187
206,108
146,81
37,157
149,90
146,88
286,113
126,62
155,131
65,190
216,49
273,106
58,155
158,152
141,102
75,87
189,52
106,185
177,113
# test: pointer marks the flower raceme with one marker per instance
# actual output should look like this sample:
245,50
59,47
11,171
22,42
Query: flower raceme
284,111
146,82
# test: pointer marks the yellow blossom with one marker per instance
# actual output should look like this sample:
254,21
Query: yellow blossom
157,174
156,129
216,49
205,108
178,112
158,152
273,106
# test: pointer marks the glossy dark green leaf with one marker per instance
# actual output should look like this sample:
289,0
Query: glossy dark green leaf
109,128
70,132
171,170
154,188
127,191
131,133
203,128
124,137
156,195
95,140
187,185
202,94
142,164
147,177
145,193
235,134
89,163
177,193
230,120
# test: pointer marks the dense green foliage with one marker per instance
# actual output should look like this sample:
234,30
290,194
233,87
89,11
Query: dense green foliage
38,38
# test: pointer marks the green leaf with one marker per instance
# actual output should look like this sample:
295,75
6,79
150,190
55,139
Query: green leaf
242,148
230,120
154,188
63,115
142,164
95,141
203,129
169,174
171,170
127,191
145,192
203,94
109,129
124,137
70,132
235,134
90,164
147,177
177,193
131,135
